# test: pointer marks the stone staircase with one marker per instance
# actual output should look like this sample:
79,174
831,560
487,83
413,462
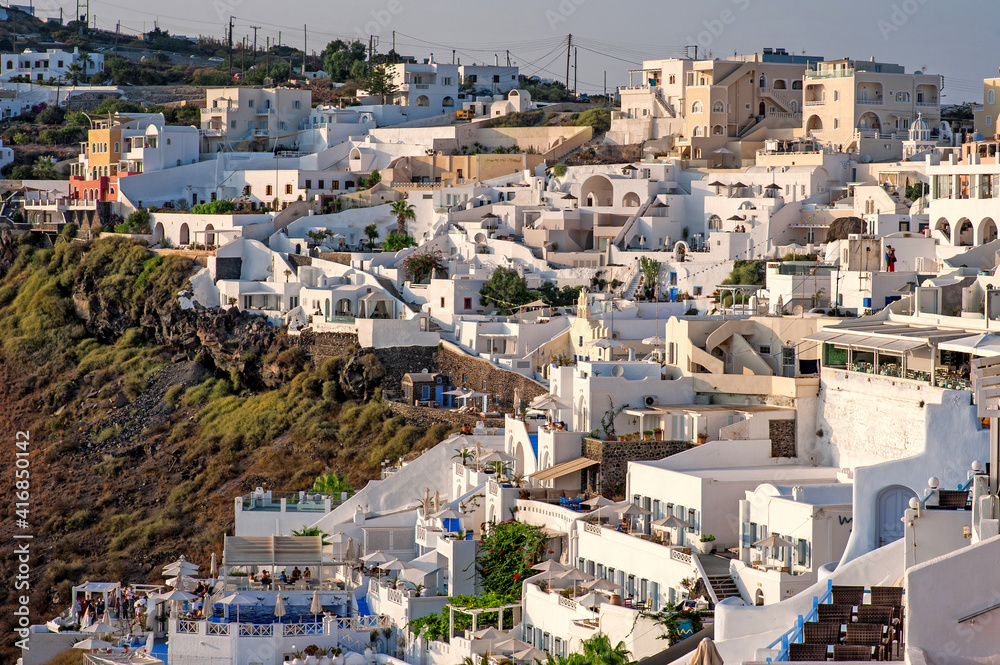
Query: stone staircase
724,586
664,104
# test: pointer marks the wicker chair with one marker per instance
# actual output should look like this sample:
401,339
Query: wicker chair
868,634
806,652
820,633
831,613
880,614
887,595
848,595
851,652
953,499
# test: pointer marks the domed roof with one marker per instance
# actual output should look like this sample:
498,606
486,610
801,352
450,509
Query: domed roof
978,137
920,130
920,124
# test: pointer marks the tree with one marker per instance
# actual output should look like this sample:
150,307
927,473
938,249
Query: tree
506,290
332,483
506,554
651,275
379,81
371,232
404,212
75,72
395,242
422,266
339,57
552,296
44,168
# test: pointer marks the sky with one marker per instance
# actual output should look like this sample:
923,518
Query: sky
955,38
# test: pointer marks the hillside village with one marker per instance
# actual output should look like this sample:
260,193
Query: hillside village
712,358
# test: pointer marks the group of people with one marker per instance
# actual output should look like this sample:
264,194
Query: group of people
124,605
740,229
284,578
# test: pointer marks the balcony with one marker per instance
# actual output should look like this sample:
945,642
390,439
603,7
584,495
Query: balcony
218,109
830,73
59,203
815,102
931,104
261,132
264,111
870,101
214,132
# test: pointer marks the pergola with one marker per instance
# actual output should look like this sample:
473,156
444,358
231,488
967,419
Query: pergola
741,294
475,612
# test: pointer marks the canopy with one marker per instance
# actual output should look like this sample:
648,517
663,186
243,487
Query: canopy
985,345
564,469
773,541
237,599
177,594
92,644
273,550
598,501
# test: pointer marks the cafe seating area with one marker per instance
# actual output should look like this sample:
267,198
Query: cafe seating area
849,629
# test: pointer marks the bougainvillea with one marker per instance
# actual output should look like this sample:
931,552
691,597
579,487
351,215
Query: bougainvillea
505,555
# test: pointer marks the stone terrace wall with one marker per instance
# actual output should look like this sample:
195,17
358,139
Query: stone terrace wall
614,456
499,382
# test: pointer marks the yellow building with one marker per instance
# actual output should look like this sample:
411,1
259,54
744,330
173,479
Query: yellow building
453,170
986,117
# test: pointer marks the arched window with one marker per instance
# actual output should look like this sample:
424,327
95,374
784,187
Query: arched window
780,84
796,85
10,64
673,79
448,102
719,107
714,223
117,146
763,81
718,130
697,107
991,97
903,96
423,101
698,131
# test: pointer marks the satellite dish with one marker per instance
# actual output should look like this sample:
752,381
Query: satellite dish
797,310
866,159
617,371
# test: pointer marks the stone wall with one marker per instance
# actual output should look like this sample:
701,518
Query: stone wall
782,434
614,456
473,373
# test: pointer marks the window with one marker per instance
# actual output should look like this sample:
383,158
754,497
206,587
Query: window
296,104
764,349
468,303
442,302
991,97
309,184
250,103
718,107
117,146
322,184
288,189
484,384
282,125
672,79
697,290
903,97
233,124
697,107
836,123
836,95
989,121
269,190
463,378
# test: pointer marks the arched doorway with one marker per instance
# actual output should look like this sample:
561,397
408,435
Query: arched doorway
944,227
870,121
630,200
814,125
158,233
185,234
762,109
890,505
209,236
758,598
964,233
987,231
519,459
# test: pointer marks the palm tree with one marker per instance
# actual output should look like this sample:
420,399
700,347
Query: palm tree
75,71
312,531
403,212
371,231
464,454
598,649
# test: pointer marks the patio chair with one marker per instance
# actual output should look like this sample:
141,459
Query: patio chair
952,499
851,652
806,652
887,595
868,634
880,614
848,595
832,613
820,633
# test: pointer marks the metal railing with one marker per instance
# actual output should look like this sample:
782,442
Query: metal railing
795,633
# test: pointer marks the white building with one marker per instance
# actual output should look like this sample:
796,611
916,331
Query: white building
52,64
494,78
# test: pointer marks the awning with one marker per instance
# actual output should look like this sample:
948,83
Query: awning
564,469
268,550
869,342
823,335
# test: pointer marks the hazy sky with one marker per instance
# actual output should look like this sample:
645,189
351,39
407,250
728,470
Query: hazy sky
956,38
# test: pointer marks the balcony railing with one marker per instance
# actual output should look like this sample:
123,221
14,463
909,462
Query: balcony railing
815,102
870,101
261,132
830,73
928,104
218,109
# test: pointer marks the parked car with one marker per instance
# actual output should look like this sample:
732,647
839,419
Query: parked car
216,59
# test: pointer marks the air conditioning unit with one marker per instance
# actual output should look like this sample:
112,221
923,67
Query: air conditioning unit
650,400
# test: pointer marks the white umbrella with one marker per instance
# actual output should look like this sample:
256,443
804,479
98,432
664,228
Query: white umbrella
279,607
91,644
601,584
773,541
448,514
598,501
512,644
99,628
180,567
529,655
544,402
214,566
394,565
592,599
723,151
315,607
176,594
632,509
574,575
376,558
238,599
604,343
655,340
670,522
497,456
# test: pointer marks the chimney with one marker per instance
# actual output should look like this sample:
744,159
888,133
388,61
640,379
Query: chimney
797,493
496,60
431,61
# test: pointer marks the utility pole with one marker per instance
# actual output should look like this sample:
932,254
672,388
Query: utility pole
243,57
268,64
230,48
569,49
508,57
118,30
255,28
605,85
574,70
305,47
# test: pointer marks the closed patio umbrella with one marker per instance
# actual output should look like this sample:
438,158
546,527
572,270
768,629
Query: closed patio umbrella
279,607
706,654
315,607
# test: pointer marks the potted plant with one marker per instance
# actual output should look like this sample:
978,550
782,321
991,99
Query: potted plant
647,434
658,433
706,543
702,438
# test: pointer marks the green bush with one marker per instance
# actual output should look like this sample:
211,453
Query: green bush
559,170
597,119
220,207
